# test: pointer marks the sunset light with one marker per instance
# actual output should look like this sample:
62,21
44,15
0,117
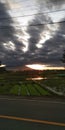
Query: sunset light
2,66
38,78
43,67
36,66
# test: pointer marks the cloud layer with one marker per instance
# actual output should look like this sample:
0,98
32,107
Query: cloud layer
44,36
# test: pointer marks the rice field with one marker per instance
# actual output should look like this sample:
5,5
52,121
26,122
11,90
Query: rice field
16,84
25,88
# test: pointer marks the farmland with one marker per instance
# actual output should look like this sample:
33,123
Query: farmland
16,84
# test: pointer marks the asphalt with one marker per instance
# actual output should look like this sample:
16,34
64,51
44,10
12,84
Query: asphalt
32,114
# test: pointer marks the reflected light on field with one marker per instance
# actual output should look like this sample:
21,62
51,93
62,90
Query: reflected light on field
38,78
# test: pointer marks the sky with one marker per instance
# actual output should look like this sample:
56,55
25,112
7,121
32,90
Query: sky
32,31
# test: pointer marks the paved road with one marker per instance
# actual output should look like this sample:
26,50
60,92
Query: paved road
26,114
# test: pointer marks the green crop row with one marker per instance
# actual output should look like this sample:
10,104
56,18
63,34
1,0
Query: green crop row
23,89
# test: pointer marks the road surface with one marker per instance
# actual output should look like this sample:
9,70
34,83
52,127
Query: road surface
31,114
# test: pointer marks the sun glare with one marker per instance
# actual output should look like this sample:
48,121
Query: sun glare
43,67
2,66
36,66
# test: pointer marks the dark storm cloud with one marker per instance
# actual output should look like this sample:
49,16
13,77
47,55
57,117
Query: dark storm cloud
7,31
35,29
34,32
51,5
7,34
52,51
57,2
